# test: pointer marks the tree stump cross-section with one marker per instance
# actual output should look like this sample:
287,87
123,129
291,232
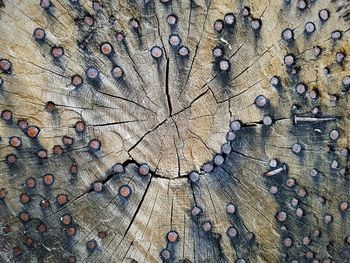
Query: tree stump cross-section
174,131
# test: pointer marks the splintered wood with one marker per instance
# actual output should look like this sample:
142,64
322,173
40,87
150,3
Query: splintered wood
174,131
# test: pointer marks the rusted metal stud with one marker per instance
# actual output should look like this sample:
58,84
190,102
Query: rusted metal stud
300,88
217,52
230,209
229,19
296,148
218,159
273,189
88,20
71,231
235,125
45,4
42,154
42,228
45,204
323,15
347,240
106,49
29,241
267,120
120,36
174,40
57,150
226,148
232,231
260,101
57,52
134,24
156,52
195,211
207,226
165,254
117,168
218,25
172,19
76,80
287,34
299,212
317,50
92,73
5,66
24,216
246,11
339,57
231,136
327,219
306,241
287,242
94,145
336,35
224,65
48,179
50,106
6,115
344,206
255,24
291,182
289,60
275,81
17,251
309,27
3,193
22,124
184,51
33,131
66,219
294,202
249,236
62,199
172,236
144,169
15,141
273,163
97,186
30,182
208,167
39,34
91,245
125,191
96,6
67,140
346,81
281,216
80,126
117,72
73,169
302,192
194,177
24,198
334,135
102,234
11,159
72,259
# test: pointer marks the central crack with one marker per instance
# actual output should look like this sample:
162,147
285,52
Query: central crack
167,87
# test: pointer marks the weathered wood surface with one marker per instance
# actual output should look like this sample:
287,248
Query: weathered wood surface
288,180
